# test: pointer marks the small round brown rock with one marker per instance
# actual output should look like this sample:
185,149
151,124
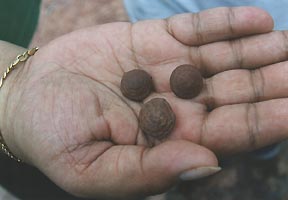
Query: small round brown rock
136,85
156,119
186,81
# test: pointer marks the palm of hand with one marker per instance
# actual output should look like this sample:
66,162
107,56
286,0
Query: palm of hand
85,133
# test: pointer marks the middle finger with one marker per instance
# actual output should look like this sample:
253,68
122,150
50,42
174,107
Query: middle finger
243,53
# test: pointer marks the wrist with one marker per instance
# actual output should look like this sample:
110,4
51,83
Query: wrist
8,53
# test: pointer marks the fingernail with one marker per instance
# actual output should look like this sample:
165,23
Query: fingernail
198,173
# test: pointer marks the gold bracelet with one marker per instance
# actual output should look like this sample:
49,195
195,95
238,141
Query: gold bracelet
20,58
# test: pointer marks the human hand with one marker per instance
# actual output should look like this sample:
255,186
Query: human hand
65,114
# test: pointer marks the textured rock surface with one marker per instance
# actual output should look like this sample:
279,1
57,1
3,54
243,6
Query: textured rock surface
157,119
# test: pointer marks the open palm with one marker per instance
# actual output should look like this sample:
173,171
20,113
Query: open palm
72,122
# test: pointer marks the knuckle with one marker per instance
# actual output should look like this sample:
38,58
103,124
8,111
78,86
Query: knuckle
237,53
231,20
257,84
252,124
284,35
197,27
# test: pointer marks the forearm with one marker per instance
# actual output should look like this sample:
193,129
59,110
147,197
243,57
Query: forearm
8,53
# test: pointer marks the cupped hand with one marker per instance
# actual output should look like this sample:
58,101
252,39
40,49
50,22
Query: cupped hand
68,117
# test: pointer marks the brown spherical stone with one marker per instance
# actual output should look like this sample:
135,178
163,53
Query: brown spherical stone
186,81
136,84
156,119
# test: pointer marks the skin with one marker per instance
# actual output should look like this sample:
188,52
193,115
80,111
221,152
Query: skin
63,112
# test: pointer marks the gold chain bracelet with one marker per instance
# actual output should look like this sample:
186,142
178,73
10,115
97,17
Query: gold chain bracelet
20,58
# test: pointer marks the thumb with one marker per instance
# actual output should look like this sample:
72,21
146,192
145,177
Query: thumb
132,171
172,161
